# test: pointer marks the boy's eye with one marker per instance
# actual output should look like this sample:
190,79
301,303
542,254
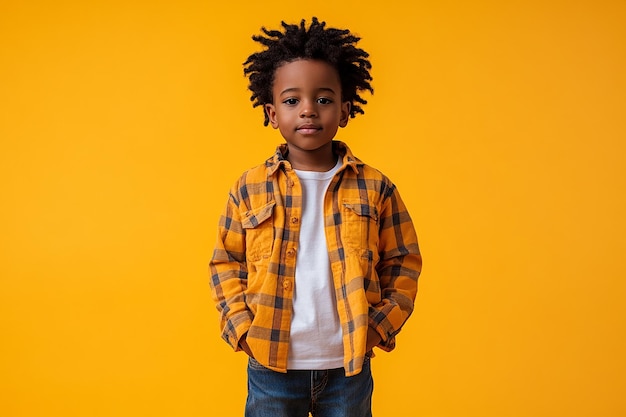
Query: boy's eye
290,101
324,100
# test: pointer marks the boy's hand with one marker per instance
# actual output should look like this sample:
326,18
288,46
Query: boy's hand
243,344
373,339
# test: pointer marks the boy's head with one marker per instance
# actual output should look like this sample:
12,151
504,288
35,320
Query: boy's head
335,47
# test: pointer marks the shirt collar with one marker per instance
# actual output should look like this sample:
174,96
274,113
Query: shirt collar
339,148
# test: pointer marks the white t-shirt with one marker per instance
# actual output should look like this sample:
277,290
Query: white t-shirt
316,338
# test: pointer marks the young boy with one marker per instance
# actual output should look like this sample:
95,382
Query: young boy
317,260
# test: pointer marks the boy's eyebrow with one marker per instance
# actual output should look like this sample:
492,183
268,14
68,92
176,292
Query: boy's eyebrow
295,90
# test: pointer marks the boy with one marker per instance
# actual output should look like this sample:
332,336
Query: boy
317,260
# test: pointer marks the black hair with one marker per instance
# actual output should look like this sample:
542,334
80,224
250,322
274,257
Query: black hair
334,46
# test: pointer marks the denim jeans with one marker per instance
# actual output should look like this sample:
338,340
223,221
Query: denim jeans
326,393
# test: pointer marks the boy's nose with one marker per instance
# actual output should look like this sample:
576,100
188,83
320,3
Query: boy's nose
308,111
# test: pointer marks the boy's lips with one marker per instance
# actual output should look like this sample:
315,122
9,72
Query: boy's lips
308,129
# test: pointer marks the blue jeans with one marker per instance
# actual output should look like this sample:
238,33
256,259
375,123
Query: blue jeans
326,393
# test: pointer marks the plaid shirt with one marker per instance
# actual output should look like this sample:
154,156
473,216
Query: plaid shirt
372,246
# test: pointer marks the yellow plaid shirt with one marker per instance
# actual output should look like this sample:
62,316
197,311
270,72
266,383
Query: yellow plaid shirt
372,246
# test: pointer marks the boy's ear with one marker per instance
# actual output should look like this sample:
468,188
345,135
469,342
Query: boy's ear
345,114
271,113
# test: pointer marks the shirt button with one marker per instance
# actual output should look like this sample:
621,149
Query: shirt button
294,220
286,285
291,252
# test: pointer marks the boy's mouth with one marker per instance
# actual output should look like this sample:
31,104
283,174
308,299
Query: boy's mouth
308,129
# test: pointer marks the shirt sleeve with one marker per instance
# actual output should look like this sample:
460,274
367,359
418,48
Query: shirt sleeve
398,268
229,276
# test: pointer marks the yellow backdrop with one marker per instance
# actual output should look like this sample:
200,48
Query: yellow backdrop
123,123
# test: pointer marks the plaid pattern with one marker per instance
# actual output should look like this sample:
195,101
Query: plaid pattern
372,245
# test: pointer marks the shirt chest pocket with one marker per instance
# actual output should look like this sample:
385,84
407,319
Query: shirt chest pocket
359,224
258,224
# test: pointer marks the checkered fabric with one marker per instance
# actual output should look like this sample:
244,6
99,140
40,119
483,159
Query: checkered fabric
372,246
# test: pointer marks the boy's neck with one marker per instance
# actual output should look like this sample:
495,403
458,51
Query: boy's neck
319,160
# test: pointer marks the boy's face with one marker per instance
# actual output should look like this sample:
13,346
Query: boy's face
307,107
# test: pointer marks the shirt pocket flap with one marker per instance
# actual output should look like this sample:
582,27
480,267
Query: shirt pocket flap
252,218
362,208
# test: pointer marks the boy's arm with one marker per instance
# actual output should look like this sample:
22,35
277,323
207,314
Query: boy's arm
398,269
229,275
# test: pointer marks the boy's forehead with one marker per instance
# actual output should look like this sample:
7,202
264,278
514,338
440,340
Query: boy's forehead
306,72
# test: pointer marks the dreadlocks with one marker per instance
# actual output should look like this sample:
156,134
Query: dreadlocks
334,46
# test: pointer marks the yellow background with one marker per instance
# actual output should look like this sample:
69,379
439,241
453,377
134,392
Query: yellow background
123,123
